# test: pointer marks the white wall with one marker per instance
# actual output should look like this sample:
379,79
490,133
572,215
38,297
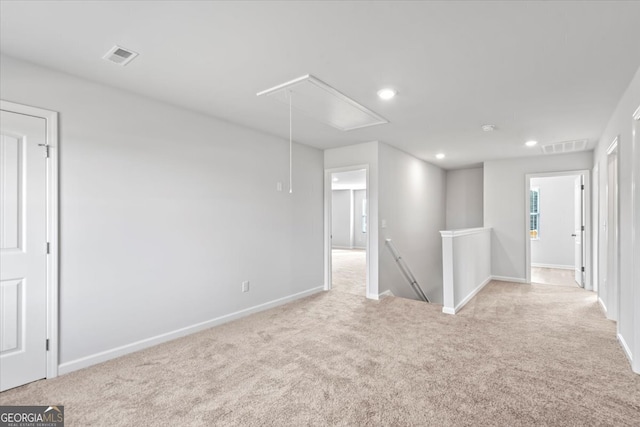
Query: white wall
555,248
163,212
504,205
345,158
412,202
464,198
341,218
621,125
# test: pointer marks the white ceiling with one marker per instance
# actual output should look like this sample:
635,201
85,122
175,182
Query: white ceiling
551,71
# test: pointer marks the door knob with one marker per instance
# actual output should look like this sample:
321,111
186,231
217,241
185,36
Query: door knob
573,235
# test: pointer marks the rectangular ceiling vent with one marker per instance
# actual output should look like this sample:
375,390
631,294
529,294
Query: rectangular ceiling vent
565,146
321,102
120,55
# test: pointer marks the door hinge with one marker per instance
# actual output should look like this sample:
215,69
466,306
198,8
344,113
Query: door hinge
582,187
48,248
47,345
583,269
582,228
46,150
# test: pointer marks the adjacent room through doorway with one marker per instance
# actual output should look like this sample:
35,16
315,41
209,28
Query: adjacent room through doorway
349,225
556,230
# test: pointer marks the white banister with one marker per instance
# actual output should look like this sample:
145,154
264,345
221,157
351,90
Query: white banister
466,265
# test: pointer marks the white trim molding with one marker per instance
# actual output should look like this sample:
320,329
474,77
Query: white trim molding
103,356
604,307
556,266
51,126
463,232
625,347
635,235
458,307
509,279
385,294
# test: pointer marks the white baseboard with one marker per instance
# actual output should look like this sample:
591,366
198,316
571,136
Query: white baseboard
385,294
604,307
559,267
625,347
449,310
509,279
103,356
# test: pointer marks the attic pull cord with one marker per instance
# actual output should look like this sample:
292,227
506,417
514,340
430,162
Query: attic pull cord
290,146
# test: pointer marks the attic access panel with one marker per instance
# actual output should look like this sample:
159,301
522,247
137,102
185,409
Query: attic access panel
321,102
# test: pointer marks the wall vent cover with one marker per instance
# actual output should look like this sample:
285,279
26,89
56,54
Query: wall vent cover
565,146
119,55
322,102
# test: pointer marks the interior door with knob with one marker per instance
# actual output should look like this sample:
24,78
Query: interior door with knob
23,249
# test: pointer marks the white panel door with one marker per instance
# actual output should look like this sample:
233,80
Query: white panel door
23,327
578,232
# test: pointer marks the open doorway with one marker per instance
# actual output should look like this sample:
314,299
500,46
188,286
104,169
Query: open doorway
558,244
349,231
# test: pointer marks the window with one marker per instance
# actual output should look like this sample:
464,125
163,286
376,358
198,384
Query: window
534,214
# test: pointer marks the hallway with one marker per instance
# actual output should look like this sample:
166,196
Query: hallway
349,271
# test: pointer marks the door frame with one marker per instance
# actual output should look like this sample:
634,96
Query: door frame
52,195
328,226
613,292
595,235
586,212
635,233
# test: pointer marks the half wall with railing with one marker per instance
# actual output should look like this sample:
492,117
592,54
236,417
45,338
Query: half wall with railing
466,262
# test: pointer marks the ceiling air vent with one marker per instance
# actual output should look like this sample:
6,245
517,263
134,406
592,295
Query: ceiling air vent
564,147
120,55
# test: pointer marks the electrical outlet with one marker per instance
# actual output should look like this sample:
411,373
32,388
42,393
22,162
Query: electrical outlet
245,286
279,186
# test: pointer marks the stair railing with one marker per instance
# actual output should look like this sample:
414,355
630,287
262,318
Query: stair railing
406,271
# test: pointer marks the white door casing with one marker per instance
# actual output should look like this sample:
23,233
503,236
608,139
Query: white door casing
578,231
612,230
28,245
586,220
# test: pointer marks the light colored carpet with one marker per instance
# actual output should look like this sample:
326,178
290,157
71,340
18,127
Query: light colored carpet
516,355
553,276
349,271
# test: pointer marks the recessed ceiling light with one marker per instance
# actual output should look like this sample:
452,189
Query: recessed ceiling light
440,156
488,128
531,143
387,93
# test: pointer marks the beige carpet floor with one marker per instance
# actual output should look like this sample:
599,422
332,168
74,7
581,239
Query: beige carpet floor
349,271
516,355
